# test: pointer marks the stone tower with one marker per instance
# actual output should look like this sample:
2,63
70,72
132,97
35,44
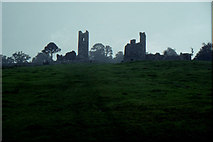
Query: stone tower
143,44
83,45
136,51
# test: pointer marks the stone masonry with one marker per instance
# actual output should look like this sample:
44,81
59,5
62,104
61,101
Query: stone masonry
136,51
83,45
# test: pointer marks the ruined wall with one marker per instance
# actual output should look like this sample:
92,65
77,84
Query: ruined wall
157,56
143,43
136,51
83,45
70,56
185,56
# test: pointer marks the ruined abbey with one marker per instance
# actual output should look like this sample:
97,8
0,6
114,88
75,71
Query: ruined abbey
132,51
136,51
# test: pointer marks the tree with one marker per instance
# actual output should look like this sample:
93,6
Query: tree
41,58
3,59
108,51
101,53
20,57
10,60
6,60
119,57
97,52
170,52
50,49
205,52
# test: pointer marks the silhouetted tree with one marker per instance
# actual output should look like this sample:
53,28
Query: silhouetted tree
205,52
4,60
50,49
41,58
20,57
10,60
108,51
97,52
119,57
170,52
101,53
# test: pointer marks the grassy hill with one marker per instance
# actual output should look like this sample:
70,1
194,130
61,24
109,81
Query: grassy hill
150,100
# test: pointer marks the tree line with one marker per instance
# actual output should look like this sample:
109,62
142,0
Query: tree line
98,53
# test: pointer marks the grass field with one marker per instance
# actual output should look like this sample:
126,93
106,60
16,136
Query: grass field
149,101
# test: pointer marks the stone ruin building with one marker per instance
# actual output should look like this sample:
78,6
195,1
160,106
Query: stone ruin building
133,51
185,56
136,51
70,56
157,56
83,46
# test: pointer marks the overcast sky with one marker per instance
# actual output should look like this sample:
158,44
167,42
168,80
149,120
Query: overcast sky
29,27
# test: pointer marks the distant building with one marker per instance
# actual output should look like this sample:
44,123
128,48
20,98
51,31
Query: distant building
185,56
83,50
155,56
70,56
136,51
83,46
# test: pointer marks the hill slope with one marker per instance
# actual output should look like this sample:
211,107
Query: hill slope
150,100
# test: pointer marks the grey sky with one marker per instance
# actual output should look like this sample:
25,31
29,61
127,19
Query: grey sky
29,27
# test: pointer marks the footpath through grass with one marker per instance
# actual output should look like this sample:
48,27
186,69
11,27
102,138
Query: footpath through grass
150,101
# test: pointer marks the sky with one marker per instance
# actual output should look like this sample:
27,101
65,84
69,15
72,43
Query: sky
29,27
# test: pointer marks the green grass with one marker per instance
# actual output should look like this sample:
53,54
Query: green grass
150,101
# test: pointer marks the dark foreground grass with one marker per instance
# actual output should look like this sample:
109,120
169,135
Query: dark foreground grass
138,101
